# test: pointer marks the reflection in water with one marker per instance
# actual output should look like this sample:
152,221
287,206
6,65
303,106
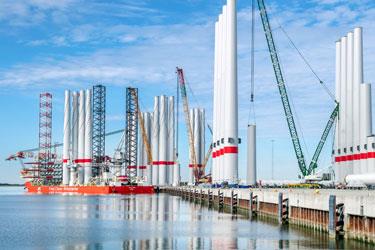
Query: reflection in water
142,222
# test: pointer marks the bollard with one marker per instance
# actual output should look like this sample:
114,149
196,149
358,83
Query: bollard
340,218
210,198
255,204
221,199
251,205
283,209
232,208
280,208
233,202
285,212
201,196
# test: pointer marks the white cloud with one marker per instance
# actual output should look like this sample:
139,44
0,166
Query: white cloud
115,117
59,40
128,38
25,12
36,42
35,12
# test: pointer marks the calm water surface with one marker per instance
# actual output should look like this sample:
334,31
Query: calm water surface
139,222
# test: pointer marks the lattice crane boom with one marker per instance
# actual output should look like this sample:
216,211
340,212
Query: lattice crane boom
285,101
314,161
208,154
185,102
281,85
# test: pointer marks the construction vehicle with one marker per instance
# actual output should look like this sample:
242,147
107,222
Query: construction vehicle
193,158
285,101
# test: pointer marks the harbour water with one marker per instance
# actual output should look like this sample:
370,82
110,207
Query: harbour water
160,221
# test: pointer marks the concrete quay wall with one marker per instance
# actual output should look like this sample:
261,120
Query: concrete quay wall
348,213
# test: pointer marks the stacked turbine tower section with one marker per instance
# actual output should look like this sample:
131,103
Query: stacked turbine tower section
163,141
160,130
81,137
197,121
354,142
155,143
74,139
87,163
225,112
144,168
77,147
67,136
173,169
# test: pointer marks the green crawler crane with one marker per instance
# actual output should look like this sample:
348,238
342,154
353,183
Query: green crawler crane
285,101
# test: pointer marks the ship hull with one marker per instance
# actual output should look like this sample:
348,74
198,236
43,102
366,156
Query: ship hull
93,190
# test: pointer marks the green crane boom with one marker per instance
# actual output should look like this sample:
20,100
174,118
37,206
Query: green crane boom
282,88
285,101
313,164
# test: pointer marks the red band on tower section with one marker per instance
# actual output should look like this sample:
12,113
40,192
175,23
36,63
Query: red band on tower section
221,152
364,155
231,150
357,156
163,163
225,150
83,161
65,160
361,156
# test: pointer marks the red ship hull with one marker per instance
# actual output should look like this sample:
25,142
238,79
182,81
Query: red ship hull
93,190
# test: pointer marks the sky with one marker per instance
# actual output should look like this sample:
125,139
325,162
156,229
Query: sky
50,46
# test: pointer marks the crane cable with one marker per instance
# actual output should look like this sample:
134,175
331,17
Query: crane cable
290,97
252,104
307,63
312,71
252,50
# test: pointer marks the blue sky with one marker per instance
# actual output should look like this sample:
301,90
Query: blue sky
72,44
